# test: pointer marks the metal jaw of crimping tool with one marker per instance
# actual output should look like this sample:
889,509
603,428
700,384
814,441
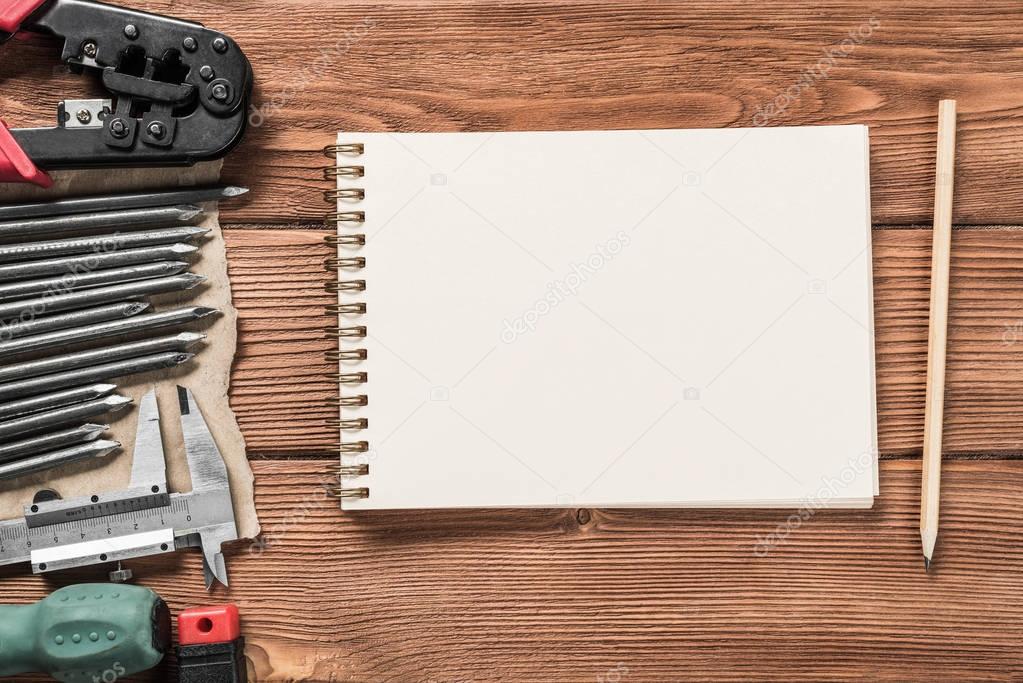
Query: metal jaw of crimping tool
179,91
143,519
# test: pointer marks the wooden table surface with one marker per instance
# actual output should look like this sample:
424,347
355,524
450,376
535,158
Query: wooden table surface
611,595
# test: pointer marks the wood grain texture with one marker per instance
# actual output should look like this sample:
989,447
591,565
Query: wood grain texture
619,596
668,595
279,383
413,65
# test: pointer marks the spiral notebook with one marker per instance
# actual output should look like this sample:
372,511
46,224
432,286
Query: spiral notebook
652,318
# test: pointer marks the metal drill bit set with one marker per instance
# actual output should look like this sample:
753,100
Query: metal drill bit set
75,280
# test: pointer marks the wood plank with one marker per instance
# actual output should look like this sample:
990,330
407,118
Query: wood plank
280,388
451,65
566,595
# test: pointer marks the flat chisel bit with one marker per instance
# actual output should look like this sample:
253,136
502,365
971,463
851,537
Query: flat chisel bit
112,328
116,202
51,442
47,461
100,295
128,219
63,321
73,282
30,270
183,341
72,378
40,422
57,399
98,244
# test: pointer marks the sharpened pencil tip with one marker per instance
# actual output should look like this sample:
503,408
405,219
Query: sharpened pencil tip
927,564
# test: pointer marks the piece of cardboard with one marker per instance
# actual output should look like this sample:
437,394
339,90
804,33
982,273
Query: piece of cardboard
207,375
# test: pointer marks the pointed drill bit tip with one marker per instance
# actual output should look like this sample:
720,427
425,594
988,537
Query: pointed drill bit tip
204,312
233,191
183,358
136,307
93,431
190,338
103,388
117,402
193,279
173,266
196,231
181,248
104,447
188,211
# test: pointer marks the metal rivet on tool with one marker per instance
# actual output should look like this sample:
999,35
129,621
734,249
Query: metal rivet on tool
220,92
207,73
220,45
190,44
59,640
77,638
111,635
94,636
83,116
89,49
118,128
131,31
157,130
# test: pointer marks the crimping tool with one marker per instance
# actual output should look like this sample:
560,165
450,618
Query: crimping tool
180,91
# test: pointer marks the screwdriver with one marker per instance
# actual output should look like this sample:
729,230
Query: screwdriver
92,631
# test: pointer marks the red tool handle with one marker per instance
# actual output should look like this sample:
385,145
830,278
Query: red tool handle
15,166
216,624
16,11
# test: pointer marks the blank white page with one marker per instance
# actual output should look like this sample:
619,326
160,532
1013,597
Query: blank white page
616,318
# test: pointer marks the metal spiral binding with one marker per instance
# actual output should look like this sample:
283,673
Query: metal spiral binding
341,219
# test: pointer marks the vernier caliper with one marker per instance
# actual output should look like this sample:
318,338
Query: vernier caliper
143,519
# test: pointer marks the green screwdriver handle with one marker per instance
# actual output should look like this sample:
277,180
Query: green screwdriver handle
89,633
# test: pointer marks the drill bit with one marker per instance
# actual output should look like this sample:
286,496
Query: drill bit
72,378
63,321
31,270
127,219
61,416
100,295
116,202
98,244
183,341
47,461
58,399
112,328
51,441
72,282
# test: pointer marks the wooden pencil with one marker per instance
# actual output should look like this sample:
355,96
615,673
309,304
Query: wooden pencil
934,407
